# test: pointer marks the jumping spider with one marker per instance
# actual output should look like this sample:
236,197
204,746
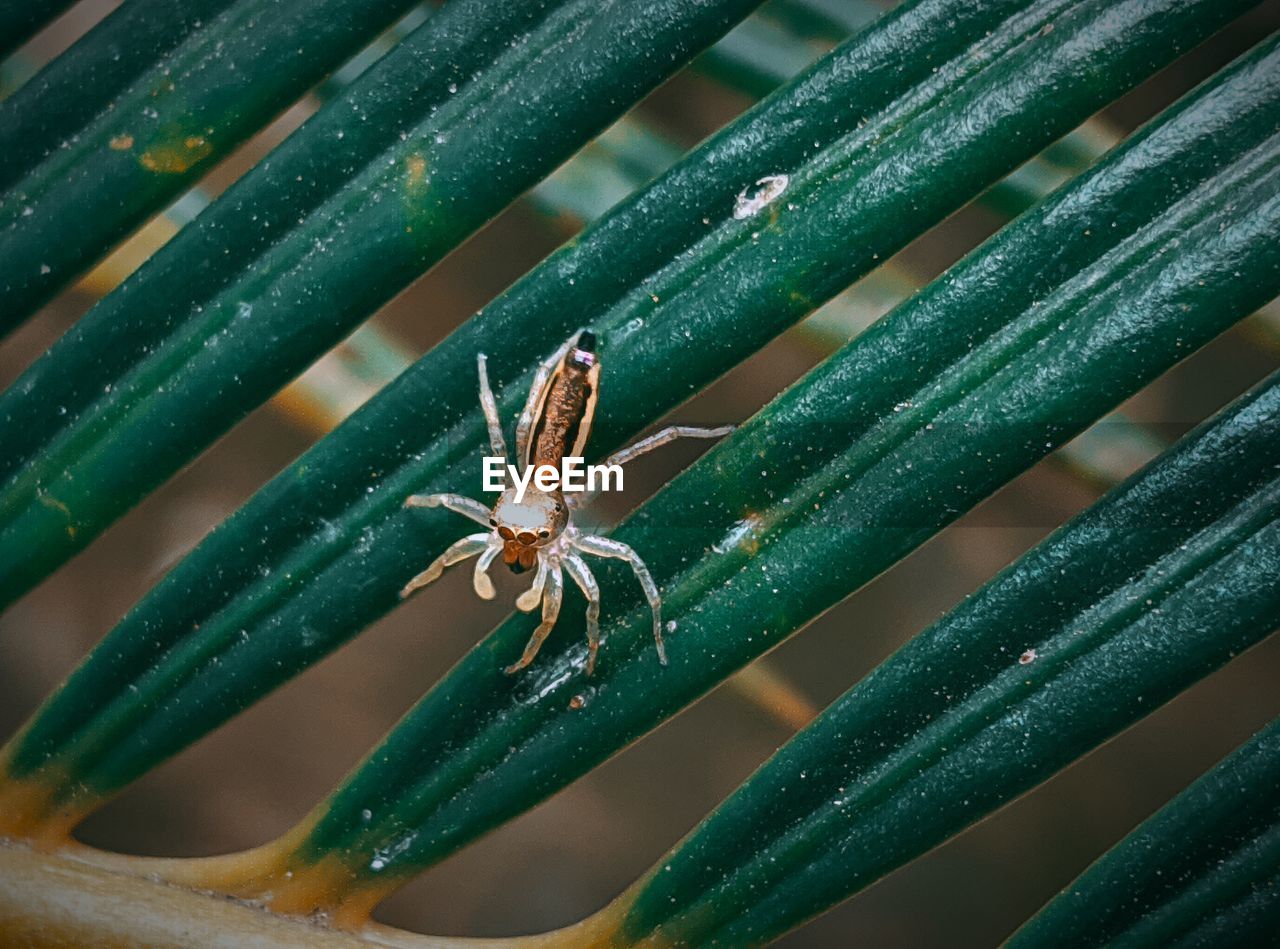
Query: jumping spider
538,530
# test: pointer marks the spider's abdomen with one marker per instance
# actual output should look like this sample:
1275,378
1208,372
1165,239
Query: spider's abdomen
564,421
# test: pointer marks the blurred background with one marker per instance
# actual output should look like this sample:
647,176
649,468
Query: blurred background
257,776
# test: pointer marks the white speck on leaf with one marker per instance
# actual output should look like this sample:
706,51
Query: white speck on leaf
751,201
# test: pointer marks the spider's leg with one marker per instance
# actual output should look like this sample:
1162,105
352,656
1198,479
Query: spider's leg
497,444
459,504
581,574
528,601
469,546
606,547
550,610
665,437
481,581
648,444
524,426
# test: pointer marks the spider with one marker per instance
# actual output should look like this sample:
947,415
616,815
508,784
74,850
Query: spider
538,530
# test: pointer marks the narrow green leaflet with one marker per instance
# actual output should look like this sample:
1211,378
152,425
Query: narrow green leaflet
22,19
764,51
1161,582
325,548
187,109
757,57
821,19
1203,871
1010,353
57,104
462,116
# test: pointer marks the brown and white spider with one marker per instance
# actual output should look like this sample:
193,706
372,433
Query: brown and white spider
538,529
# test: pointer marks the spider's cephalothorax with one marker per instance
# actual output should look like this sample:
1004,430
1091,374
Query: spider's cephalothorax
538,530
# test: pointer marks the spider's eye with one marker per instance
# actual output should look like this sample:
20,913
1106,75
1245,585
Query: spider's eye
544,533
559,507
493,522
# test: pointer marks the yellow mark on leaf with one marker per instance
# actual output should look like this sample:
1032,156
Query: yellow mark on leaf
275,875
122,142
176,157
48,500
31,809
417,166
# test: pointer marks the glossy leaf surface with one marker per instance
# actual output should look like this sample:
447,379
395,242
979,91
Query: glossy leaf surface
56,104
1204,870
202,94
957,391
1164,580
325,548
386,179
954,393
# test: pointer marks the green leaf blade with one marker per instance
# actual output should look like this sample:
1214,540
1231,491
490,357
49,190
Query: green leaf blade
303,247
756,581
193,104
58,102
408,438
1157,585
332,554
1202,870
22,19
